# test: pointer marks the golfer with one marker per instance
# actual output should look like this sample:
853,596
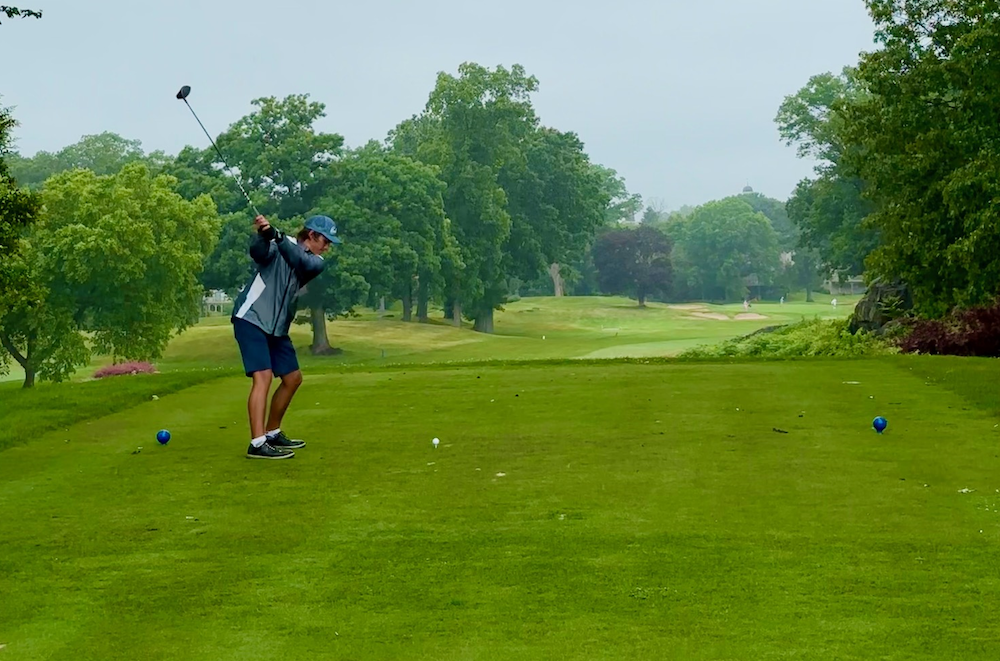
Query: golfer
262,315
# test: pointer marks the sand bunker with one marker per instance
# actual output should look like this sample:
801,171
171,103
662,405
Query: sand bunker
710,315
716,316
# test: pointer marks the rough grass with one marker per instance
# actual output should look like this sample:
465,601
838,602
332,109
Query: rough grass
574,511
807,338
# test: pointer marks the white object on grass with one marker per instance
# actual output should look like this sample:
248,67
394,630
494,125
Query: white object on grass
436,441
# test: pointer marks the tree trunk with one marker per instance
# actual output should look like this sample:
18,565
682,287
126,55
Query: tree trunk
456,314
381,307
408,304
423,294
24,361
449,306
321,341
641,295
809,295
484,322
557,281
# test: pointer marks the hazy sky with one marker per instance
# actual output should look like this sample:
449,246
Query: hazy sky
679,96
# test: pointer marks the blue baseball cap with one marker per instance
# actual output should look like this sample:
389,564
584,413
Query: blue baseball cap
324,226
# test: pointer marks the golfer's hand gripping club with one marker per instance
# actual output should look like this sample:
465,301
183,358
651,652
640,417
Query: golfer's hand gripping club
265,229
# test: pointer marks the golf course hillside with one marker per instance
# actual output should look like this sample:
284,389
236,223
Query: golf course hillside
566,327
531,328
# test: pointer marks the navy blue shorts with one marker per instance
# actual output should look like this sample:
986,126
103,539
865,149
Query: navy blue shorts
264,352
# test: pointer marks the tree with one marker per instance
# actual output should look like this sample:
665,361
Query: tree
775,211
195,173
18,207
14,12
556,200
473,126
278,153
18,210
104,153
114,256
800,263
391,214
635,262
924,139
622,206
721,246
229,266
830,210
283,163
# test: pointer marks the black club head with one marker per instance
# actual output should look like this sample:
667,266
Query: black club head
183,94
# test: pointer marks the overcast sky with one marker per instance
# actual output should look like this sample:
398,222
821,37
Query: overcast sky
678,96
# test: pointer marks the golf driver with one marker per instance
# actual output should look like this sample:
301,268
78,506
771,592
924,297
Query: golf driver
183,95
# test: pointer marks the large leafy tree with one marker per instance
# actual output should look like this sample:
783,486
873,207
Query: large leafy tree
634,261
18,210
924,139
229,266
276,152
830,210
390,212
474,125
557,200
279,154
197,173
116,257
722,245
280,158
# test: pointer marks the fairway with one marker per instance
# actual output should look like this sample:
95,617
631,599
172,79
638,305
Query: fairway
572,511
531,328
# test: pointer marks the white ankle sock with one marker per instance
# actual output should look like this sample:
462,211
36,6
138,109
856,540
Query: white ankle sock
259,441
272,434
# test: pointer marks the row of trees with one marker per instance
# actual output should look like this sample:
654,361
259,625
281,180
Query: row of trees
724,250
115,246
473,199
907,185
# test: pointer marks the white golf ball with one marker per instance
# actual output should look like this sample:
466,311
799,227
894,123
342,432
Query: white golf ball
435,442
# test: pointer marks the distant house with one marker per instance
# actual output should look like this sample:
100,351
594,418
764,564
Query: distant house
851,285
216,302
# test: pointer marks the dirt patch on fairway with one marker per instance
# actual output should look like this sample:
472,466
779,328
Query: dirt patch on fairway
717,316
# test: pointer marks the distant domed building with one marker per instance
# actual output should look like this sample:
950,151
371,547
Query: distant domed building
747,189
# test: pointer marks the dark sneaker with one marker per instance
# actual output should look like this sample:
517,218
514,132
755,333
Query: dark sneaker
267,451
281,441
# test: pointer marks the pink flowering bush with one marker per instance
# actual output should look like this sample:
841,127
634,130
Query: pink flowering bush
121,369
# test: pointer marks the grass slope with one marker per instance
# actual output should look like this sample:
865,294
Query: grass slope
572,511
573,327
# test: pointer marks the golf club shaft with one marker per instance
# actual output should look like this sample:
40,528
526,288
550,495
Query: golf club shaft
238,183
